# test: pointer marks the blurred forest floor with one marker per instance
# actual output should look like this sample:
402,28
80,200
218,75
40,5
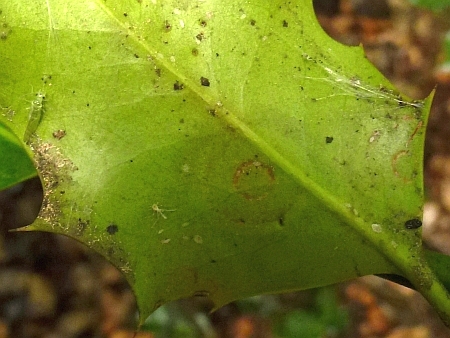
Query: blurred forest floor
53,287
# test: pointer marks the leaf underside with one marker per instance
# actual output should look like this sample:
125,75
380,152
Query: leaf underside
218,149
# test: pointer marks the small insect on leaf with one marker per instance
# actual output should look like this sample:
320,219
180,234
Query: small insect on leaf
413,223
159,211
34,117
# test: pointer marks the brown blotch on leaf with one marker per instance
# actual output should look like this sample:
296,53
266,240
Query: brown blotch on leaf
253,178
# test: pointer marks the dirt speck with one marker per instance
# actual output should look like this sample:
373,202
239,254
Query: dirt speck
59,134
167,26
413,223
178,86
204,82
112,229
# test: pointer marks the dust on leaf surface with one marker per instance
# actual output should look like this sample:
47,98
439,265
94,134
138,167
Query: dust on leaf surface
223,149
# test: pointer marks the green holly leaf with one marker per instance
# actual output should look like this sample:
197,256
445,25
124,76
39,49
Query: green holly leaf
216,149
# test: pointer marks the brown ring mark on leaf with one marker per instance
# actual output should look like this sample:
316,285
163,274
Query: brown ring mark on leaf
395,165
252,180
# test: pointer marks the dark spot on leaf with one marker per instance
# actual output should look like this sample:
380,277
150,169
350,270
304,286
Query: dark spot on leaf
413,223
285,23
203,23
212,112
194,51
178,86
125,14
199,36
167,26
328,139
213,261
252,22
158,72
112,229
136,56
281,221
204,81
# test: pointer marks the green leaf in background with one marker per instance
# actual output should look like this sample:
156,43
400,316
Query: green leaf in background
216,149
16,164
434,5
447,49
324,319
